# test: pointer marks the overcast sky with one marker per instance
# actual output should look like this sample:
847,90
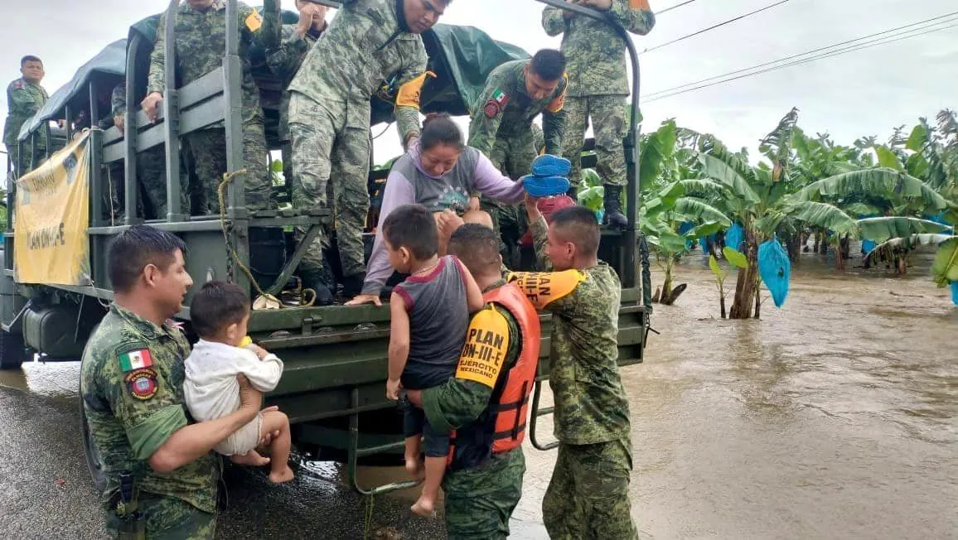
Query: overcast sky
861,93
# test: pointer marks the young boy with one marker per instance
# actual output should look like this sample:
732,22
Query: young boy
220,315
588,496
429,318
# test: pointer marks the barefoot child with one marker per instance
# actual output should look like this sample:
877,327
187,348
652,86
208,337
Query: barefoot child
220,314
429,318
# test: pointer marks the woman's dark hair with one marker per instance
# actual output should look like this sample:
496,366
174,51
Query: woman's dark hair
438,128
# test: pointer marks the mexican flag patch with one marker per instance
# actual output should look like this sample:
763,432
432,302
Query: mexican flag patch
137,359
500,97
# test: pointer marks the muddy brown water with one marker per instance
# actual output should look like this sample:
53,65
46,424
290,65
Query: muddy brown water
833,417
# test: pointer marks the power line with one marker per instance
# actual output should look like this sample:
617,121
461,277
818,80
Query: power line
677,6
807,53
719,25
829,54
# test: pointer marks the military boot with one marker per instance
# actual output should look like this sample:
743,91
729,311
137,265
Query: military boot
614,217
353,285
317,282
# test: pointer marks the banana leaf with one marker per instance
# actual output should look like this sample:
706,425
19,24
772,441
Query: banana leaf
883,228
945,268
875,182
826,216
733,174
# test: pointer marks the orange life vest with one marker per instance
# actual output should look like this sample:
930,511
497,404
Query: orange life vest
502,427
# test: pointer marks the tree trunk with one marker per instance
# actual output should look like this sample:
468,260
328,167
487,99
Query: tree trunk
758,299
745,285
722,303
794,245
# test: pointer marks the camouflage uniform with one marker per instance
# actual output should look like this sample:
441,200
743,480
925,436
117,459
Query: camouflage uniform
285,52
23,101
478,500
588,496
200,47
150,169
365,47
501,128
598,83
132,409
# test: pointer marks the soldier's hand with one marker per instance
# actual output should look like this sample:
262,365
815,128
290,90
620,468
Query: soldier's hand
306,16
119,121
365,299
150,104
532,208
251,399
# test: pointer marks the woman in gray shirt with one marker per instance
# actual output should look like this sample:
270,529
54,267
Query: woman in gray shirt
438,172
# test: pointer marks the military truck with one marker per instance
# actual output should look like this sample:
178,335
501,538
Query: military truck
54,288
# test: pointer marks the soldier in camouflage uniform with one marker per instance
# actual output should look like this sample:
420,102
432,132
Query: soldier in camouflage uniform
131,381
501,128
598,87
25,96
371,44
286,48
200,47
150,166
588,496
481,488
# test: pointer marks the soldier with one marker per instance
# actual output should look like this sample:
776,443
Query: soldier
598,87
285,51
150,165
515,93
369,45
25,96
484,403
200,47
588,496
131,381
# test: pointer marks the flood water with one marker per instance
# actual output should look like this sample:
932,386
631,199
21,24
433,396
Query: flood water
833,417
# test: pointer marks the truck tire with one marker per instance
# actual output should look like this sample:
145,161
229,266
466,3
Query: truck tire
12,350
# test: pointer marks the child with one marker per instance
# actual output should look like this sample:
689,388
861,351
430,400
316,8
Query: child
220,314
430,315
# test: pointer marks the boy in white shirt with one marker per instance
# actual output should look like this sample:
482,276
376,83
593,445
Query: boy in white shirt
220,315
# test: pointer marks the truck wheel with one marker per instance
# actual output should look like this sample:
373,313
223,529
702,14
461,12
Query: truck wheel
92,455
12,351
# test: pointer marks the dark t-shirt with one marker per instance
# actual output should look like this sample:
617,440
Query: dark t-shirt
438,320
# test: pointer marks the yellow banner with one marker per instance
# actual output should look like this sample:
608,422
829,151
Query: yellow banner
51,220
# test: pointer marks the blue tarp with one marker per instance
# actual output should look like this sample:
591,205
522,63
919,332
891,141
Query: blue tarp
775,269
954,292
734,237
868,246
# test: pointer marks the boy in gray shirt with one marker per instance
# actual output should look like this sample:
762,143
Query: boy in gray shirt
429,314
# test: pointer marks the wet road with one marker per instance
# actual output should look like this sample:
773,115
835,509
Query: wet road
834,417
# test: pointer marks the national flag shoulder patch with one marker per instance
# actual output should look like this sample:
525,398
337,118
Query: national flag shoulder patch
135,358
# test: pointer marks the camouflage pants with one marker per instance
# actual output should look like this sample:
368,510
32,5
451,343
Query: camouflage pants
608,125
206,154
331,140
169,518
513,156
151,173
588,496
480,501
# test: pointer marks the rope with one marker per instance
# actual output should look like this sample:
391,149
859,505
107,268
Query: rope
221,193
369,517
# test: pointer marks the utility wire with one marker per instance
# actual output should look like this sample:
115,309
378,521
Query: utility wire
948,16
713,27
668,9
829,54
